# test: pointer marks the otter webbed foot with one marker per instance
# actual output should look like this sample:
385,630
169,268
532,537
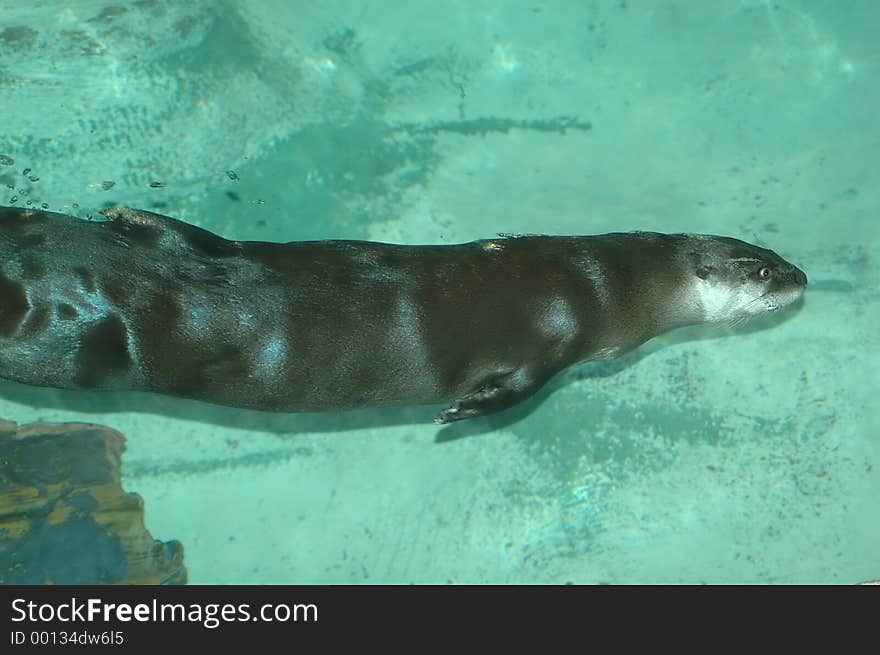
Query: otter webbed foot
497,394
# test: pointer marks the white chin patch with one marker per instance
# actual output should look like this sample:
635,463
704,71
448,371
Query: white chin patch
720,302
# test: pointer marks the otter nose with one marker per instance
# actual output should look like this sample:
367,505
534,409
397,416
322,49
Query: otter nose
800,277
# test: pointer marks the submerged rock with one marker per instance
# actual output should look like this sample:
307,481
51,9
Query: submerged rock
64,517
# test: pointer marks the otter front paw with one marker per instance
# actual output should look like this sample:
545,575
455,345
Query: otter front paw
455,413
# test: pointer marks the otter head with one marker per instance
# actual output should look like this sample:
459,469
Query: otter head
734,280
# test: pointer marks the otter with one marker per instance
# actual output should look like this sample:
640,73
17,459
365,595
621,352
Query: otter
146,302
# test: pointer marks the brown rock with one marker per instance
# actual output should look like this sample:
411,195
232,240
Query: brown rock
64,518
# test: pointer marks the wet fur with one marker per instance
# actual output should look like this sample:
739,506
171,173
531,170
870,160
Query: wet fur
143,301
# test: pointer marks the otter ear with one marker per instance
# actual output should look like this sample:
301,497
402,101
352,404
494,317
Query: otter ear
703,272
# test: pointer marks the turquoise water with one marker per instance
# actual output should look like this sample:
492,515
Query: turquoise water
721,456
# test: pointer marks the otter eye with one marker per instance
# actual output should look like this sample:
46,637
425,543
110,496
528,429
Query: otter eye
764,273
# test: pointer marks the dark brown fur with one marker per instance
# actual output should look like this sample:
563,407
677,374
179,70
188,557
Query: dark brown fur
147,302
